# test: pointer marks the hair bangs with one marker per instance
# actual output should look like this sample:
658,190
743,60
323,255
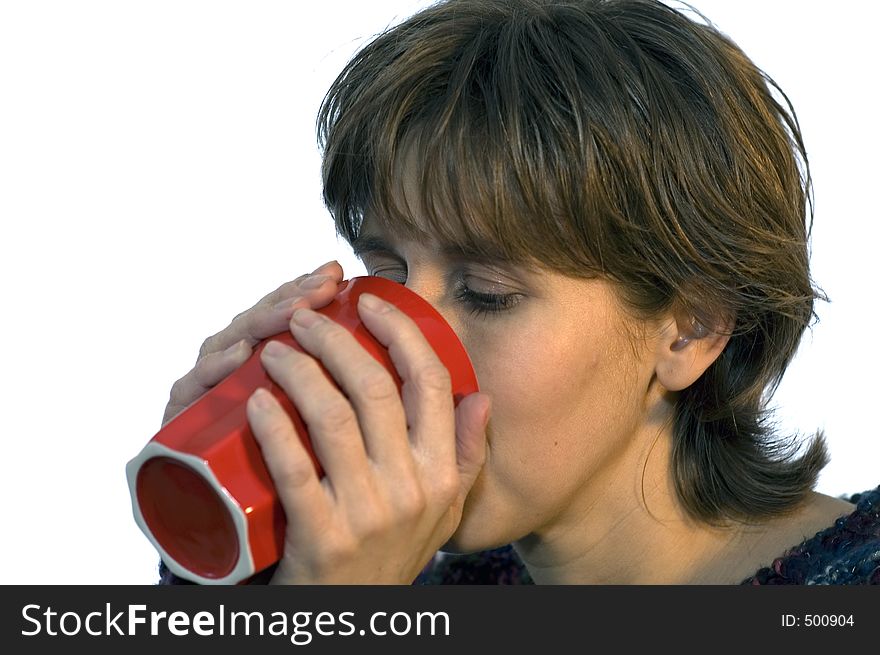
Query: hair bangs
444,154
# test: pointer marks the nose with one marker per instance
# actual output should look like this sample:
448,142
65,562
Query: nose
428,287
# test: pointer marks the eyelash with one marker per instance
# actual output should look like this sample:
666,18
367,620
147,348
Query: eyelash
482,304
485,303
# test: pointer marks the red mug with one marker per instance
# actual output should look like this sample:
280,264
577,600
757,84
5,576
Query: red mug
200,490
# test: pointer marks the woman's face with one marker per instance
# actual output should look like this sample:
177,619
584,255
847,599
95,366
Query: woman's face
568,384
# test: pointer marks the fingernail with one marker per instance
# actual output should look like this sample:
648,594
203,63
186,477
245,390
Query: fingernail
314,282
306,317
287,304
261,398
233,348
374,303
274,349
322,267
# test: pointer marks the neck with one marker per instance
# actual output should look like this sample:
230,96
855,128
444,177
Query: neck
626,526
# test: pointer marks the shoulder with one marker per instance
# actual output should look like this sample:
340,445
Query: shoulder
496,566
847,552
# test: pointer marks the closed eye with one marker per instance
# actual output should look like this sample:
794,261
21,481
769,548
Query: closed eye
481,304
478,303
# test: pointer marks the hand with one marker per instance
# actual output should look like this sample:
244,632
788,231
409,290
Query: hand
225,351
397,469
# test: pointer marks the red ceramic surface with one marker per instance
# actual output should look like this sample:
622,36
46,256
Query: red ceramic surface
200,490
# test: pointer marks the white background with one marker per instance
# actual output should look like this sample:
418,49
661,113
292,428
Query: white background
159,174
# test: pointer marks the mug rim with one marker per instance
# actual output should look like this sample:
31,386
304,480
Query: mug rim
244,565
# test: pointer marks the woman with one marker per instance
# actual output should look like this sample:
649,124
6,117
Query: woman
606,202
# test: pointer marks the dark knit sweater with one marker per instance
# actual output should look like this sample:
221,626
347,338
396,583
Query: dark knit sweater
848,552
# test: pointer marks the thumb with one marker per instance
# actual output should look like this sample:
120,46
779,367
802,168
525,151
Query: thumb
471,418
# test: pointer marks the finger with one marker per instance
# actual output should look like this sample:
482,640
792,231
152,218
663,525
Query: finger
272,313
427,389
331,268
207,373
305,501
370,388
471,426
330,419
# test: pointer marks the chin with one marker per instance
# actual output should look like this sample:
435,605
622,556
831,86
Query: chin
457,547
460,546
474,535
486,522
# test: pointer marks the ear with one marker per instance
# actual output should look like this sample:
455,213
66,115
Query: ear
686,348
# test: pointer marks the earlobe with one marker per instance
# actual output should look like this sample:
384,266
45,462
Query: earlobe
686,349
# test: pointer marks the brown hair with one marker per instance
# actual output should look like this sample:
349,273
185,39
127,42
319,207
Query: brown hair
612,138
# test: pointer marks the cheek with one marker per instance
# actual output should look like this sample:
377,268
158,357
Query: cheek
543,391
536,376
540,432
565,401
532,384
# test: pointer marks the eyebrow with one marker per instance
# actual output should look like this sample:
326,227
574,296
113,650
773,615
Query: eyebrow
364,244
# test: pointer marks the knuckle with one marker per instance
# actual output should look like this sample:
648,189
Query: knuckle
411,502
433,377
376,385
239,315
206,347
332,335
294,367
240,327
297,364
276,430
248,324
293,477
297,371
251,324
243,323
213,344
297,368
289,287
200,374
176,397
446,485
338,416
